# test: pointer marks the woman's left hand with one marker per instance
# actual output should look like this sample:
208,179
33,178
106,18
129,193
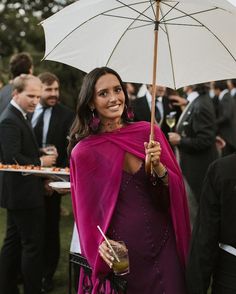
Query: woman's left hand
153,150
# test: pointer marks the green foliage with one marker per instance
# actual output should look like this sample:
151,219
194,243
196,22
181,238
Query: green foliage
20,31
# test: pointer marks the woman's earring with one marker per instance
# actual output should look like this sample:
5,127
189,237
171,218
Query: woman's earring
94,122
129,112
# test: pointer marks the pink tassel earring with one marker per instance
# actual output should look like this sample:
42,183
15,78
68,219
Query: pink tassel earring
94,122
129,112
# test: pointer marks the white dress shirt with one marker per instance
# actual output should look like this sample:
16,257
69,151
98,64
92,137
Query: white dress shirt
233,92
222,94
191,97
19,108
159,103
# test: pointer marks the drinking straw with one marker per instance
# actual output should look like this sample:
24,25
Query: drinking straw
108,243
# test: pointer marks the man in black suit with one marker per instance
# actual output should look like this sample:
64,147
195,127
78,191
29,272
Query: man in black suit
195,139
21,195
232,88
213,249
142,108
20,63
226,118
51,122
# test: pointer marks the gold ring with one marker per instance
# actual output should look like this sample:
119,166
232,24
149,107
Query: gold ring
152,153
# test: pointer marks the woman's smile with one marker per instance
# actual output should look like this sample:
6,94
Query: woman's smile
114,107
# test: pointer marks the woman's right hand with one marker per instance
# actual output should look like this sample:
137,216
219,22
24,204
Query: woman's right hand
106,253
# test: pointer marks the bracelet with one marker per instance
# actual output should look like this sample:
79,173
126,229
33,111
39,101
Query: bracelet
164,174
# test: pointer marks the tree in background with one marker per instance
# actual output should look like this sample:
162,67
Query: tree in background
19,31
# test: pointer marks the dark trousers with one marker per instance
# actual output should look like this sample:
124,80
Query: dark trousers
52,234
22,248
224,278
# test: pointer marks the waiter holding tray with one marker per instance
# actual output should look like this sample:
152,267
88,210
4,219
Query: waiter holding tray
22,196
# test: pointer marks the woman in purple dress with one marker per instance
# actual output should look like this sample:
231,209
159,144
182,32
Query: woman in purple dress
110,188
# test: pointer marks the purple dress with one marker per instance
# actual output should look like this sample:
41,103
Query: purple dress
149,237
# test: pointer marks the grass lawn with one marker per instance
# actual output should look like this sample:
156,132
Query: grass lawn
61,276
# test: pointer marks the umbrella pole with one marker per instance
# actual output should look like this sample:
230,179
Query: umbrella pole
148,165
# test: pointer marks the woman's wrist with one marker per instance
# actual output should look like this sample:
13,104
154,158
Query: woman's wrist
161,172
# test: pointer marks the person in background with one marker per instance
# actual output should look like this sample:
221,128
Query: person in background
142,107
213,250
51,122
22,196
226,117
142,90
1,81
131,91
195,141
107,169
20,63
232,88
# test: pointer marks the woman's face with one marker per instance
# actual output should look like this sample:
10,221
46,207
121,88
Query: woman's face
109,98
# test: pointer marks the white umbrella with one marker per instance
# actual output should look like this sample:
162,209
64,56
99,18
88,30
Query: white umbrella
196,39
193,40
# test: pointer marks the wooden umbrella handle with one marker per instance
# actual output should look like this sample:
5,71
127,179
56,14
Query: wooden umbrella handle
148,164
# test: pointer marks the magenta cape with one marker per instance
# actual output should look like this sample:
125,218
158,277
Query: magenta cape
96,171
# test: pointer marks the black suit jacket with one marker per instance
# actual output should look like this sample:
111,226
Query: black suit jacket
18,144
226,120
215,224
59,126
142,111
197,149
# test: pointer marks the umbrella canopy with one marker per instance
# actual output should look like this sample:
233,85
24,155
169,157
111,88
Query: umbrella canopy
196,39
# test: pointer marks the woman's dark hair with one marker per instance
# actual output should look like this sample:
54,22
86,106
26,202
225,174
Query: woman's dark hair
80,127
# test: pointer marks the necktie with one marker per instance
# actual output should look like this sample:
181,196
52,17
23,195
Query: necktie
38,129
28,119
157,112
216,103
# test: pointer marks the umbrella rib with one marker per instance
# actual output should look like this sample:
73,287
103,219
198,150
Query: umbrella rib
154,13
172,7
162,29
125,17
129,6
141,13
181,24
170,51
186,14
137,27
